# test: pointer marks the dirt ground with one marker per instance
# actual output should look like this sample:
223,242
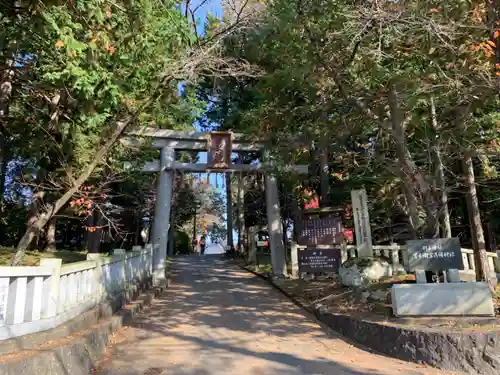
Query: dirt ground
337,299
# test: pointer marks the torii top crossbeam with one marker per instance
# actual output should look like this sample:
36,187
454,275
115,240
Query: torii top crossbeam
196,141
220,146
187,141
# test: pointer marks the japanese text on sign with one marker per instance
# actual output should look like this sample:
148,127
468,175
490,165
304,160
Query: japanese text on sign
447,254
435,254
220,149
319,260
320,231
362,222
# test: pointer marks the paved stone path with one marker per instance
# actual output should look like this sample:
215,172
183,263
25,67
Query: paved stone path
219,320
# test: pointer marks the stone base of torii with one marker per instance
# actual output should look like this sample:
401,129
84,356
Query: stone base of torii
169,142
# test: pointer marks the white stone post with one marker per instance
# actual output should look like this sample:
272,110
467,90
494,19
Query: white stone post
97,287
16,302
452,275
362,223
274,227
295,260
162,213
420,277
51,287
149,248
34,299
4,294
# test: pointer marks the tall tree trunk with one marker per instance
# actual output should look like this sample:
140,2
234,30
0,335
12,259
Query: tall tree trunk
242,244
229,209
3,166
137,236
478,242
94,236
35,208
6,79
42,219
444,213
411,176
323,175
50,236
238,212
118,128
398,133
295,216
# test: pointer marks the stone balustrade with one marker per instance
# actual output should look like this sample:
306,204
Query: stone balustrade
399,257
34,299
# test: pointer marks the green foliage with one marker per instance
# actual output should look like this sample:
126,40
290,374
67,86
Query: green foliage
79,66
328,69
182,242
218,233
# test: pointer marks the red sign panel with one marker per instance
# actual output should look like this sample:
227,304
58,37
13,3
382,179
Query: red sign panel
219,150
311,198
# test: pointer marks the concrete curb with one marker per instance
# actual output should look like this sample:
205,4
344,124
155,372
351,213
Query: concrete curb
469,352
78,354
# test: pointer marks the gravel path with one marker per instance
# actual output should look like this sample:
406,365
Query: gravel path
219,320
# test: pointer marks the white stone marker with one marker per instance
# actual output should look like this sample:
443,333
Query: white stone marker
362,223
420,277
295,260
452,299
453,276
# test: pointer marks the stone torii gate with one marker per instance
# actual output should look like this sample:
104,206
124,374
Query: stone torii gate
220,146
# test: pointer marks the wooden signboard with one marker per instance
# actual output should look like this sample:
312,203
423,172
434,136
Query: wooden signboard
320,231
220,150
319,260
435,255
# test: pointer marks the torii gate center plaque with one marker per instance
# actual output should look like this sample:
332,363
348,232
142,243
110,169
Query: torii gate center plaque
219,150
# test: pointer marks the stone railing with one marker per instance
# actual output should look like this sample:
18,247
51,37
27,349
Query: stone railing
399,257
34,299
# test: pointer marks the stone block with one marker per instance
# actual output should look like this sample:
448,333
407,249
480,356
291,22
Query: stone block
362,271
453,276
421,277
446,299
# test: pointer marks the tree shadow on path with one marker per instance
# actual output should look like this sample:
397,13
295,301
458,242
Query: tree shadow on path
217,319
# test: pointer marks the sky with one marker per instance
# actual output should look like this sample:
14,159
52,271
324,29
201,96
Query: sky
212,7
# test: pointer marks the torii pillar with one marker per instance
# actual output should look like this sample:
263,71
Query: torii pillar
274,227
161,221
220,145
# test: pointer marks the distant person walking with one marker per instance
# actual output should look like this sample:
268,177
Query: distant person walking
202,245
194,245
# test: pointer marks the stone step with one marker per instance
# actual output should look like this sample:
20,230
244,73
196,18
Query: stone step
75,348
